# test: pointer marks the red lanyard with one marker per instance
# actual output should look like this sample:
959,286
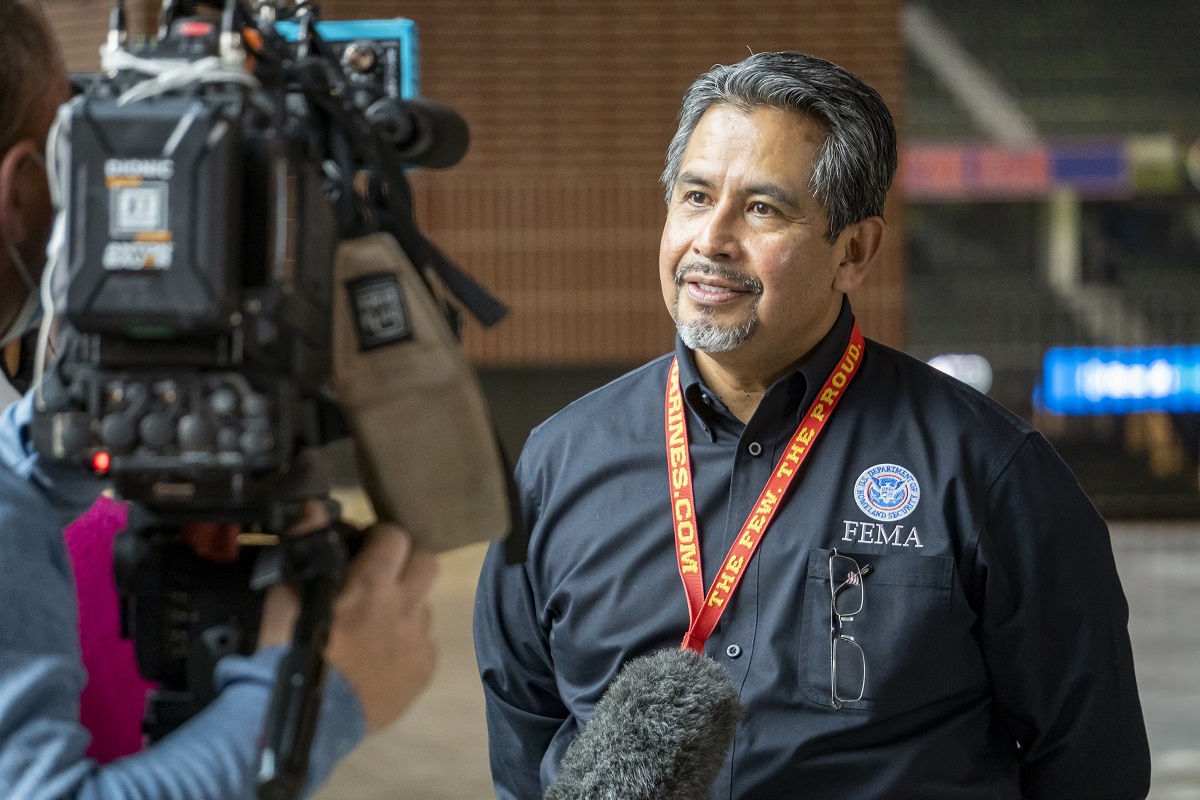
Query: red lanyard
705,612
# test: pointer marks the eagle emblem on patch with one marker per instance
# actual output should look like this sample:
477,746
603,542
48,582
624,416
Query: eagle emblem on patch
887,492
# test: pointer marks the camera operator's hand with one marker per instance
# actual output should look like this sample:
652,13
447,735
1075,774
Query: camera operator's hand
380,638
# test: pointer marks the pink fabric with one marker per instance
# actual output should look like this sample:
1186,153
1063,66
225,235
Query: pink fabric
112,703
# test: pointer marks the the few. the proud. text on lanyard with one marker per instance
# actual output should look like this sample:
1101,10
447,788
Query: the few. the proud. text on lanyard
706,611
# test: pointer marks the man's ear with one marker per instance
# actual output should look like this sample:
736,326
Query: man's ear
15,197
857,247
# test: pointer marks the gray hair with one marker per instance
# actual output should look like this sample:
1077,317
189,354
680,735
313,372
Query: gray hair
856,163
28,54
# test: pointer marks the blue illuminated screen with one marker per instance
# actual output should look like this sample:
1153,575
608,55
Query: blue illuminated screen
1121,380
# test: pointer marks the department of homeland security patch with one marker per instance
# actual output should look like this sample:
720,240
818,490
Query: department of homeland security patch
887,492
380,313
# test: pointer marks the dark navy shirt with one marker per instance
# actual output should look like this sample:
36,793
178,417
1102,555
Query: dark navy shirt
998,662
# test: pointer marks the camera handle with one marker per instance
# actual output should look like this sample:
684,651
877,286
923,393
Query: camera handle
316,563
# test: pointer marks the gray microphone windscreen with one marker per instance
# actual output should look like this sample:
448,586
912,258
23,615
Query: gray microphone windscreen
661,731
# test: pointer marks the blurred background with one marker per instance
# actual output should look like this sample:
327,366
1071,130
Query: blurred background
1044,247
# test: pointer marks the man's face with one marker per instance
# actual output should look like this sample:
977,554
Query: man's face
744,263
26,213
58,92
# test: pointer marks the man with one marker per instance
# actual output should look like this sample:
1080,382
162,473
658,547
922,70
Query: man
33,85
380,651
906,584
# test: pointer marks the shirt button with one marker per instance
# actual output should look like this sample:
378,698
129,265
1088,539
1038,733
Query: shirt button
733,651
755,448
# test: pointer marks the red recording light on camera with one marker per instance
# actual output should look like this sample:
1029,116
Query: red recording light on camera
195,28
101,462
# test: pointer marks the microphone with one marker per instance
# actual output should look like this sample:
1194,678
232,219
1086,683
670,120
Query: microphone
425,133
660,732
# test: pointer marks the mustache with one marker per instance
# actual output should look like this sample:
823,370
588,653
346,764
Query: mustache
739,280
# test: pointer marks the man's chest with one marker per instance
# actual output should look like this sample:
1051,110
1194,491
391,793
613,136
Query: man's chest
611,577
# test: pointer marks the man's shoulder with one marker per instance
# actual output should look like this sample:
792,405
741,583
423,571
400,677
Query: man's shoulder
27,517
20,497
906,381
625,403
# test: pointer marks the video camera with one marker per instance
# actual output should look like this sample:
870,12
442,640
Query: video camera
212,185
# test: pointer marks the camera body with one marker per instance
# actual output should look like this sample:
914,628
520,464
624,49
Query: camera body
200,230
209,185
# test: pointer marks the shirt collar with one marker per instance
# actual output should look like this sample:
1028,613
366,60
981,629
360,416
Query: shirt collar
797,386
824,358
70,488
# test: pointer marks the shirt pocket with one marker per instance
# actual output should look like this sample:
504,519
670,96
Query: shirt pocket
902,629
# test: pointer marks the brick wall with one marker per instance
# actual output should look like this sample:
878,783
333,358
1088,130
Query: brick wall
81,26
557,206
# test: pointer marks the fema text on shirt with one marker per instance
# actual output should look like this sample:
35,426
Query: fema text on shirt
877,533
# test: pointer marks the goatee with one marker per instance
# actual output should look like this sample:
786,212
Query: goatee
704,333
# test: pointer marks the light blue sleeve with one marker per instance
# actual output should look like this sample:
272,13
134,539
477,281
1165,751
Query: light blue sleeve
42,744
63,490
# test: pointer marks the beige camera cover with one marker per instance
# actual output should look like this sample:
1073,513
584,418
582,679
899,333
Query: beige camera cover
427,450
